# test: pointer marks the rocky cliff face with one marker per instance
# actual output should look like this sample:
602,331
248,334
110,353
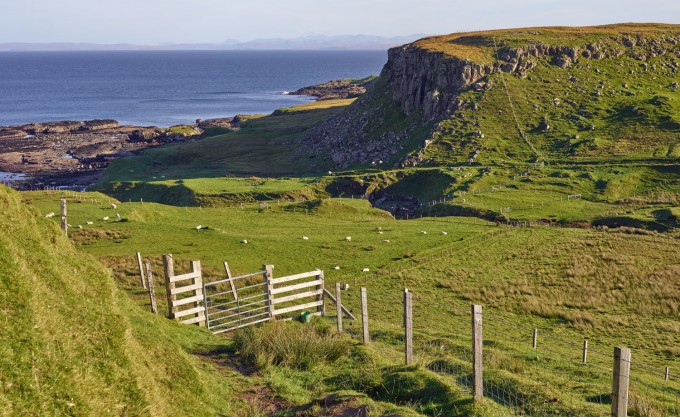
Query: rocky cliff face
421,78
419,87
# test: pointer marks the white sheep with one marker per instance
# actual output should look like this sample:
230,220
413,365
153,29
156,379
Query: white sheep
305,238
365,270
49,215
444,233
386,241
336,267
199,227
106,218
348,238
90,223
245,242
118,215
79,227
423,232
114,206
380,232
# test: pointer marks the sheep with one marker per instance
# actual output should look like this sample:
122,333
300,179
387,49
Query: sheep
245,242
305,238
106,218
336,267
199,227
378,229
386,241
118,215
345,287
380,232
90,223
114,206
348,238
49,215
365,270
423,232
79,227
444,233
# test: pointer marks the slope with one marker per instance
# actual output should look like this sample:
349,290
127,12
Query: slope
72,344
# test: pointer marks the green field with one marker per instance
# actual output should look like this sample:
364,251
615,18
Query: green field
612,287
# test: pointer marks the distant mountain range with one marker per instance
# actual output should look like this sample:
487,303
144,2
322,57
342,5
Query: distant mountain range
312,42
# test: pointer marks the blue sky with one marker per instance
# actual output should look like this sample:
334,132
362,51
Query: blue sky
214,21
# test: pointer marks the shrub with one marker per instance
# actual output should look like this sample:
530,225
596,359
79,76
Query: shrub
290,344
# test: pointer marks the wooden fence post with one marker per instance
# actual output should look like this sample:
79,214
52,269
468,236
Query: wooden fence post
585,351
621,380
268,288
408,326
169,267
338,308
321,296
534,341
196,267
64,222
364,315
477,367
141,269
152,293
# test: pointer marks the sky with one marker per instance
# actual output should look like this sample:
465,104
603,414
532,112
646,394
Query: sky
153,22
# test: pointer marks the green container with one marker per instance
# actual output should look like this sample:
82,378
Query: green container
305,317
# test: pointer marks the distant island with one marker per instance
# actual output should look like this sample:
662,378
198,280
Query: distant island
345,42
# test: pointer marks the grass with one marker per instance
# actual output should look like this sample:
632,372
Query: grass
611,287
73,344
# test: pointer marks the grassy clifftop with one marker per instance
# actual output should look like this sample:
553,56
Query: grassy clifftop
72,344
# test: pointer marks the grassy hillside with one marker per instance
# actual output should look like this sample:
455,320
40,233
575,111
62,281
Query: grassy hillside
73,344
611,287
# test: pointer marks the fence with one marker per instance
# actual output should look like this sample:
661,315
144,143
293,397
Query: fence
529,370
184,302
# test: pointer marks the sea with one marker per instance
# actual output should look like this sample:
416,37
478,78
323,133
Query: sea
165,88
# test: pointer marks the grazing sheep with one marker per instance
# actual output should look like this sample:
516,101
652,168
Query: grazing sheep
336,267
348,238
114,206
245,242
79,227
106,218
378,229
199,227
423,232
305,238
365,270
90,223
345,287
444,233
386,241
380,232
49,215
118,215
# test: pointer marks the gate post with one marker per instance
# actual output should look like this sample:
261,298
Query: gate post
169,286
268,287
321,310
196,267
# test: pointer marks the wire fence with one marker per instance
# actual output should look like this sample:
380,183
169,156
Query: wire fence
527,370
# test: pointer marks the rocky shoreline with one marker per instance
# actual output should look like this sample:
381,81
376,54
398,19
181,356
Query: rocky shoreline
72,154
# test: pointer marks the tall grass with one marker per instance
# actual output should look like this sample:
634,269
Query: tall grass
290,344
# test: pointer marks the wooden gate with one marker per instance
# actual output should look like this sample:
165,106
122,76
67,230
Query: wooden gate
249,299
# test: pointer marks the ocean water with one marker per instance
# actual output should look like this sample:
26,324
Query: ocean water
165,88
